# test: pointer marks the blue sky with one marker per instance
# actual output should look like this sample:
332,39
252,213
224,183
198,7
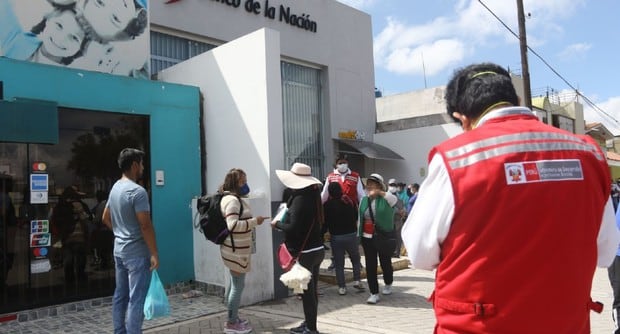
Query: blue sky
578,38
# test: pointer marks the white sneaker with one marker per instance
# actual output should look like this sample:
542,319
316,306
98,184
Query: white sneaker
358,285
373,299
387,289
342,291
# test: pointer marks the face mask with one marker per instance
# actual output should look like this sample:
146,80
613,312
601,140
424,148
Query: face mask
342,168
392,189
244,190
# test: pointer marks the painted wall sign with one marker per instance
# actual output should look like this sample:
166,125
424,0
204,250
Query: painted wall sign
280,12
108,36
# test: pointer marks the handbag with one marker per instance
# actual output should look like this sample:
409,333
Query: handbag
284,256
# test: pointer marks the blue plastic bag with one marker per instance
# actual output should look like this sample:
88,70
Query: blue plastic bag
156,303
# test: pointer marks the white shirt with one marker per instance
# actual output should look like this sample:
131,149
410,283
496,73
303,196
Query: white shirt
428,224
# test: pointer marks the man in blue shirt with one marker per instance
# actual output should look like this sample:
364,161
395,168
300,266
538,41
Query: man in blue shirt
127,213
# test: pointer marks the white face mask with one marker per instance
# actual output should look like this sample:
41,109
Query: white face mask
342,168
392,189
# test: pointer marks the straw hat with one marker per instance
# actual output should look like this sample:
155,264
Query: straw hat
299,177
377,178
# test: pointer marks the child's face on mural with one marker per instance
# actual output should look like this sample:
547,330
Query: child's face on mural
105,56
109,17
62,36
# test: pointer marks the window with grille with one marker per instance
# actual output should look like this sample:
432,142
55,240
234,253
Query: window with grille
168,50
302,116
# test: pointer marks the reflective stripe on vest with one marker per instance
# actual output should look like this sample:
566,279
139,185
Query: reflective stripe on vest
516,143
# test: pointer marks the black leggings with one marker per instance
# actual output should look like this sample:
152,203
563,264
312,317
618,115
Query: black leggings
312,262
385,259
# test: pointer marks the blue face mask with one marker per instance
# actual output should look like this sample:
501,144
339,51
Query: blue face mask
244,190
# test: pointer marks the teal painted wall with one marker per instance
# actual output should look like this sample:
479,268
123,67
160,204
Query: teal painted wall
174,113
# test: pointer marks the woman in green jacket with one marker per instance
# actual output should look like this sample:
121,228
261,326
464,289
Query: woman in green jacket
377,231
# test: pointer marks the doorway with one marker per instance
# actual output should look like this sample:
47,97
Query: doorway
36,268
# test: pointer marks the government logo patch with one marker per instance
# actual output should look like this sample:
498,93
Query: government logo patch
542,171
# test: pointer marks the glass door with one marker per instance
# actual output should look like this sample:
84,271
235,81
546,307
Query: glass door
53,246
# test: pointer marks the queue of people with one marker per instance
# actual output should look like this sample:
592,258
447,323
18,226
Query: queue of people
479,218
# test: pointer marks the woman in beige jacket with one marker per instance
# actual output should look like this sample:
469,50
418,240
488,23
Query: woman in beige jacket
237,259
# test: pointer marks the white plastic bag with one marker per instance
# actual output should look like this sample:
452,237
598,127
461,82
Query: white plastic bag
297,278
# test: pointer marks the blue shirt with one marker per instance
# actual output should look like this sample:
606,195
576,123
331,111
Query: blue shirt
14,42
411,202
127,198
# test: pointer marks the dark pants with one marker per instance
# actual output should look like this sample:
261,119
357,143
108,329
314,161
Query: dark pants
398,227
614,279
385,259
350,244
310,298
74,259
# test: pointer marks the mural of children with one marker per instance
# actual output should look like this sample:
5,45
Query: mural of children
57,39
112,20
109,36
62,38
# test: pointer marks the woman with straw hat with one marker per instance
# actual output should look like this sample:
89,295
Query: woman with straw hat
302,234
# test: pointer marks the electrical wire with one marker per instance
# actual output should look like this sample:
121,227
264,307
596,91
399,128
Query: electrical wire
585,98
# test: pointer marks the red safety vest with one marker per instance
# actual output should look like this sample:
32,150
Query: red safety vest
522,247
349,185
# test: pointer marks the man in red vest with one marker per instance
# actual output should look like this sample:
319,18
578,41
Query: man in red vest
349,180
351,184
514,215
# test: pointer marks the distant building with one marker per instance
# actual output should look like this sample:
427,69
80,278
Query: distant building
412,123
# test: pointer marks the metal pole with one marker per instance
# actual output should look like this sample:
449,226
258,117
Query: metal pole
527,93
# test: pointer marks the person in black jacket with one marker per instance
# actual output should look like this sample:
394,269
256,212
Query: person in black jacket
341,221
302,233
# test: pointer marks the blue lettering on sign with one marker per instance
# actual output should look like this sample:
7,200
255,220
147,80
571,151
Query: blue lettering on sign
38,182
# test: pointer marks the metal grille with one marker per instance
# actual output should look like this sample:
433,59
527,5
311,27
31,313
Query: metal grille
168,50
302,116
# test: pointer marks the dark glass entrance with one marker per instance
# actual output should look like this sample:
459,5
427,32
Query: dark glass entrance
53,248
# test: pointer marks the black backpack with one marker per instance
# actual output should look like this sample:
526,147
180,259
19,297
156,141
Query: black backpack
211,222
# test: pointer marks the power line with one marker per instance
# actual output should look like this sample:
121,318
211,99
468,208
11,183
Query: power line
585,98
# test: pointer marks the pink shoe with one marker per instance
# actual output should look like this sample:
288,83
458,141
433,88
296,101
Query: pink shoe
237,327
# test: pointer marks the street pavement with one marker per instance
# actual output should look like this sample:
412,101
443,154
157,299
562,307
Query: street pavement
405,311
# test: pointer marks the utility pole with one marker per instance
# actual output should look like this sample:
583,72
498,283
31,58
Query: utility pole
527,92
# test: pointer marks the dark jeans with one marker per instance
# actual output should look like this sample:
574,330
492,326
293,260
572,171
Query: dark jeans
614,279
340,244
312,262
385,259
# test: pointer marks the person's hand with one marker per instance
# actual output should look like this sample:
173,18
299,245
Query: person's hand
154,262
274,224
375,193
260,219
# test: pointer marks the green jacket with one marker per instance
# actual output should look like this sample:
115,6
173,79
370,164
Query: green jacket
383,213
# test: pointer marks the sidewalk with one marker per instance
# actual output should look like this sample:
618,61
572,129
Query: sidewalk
405,311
